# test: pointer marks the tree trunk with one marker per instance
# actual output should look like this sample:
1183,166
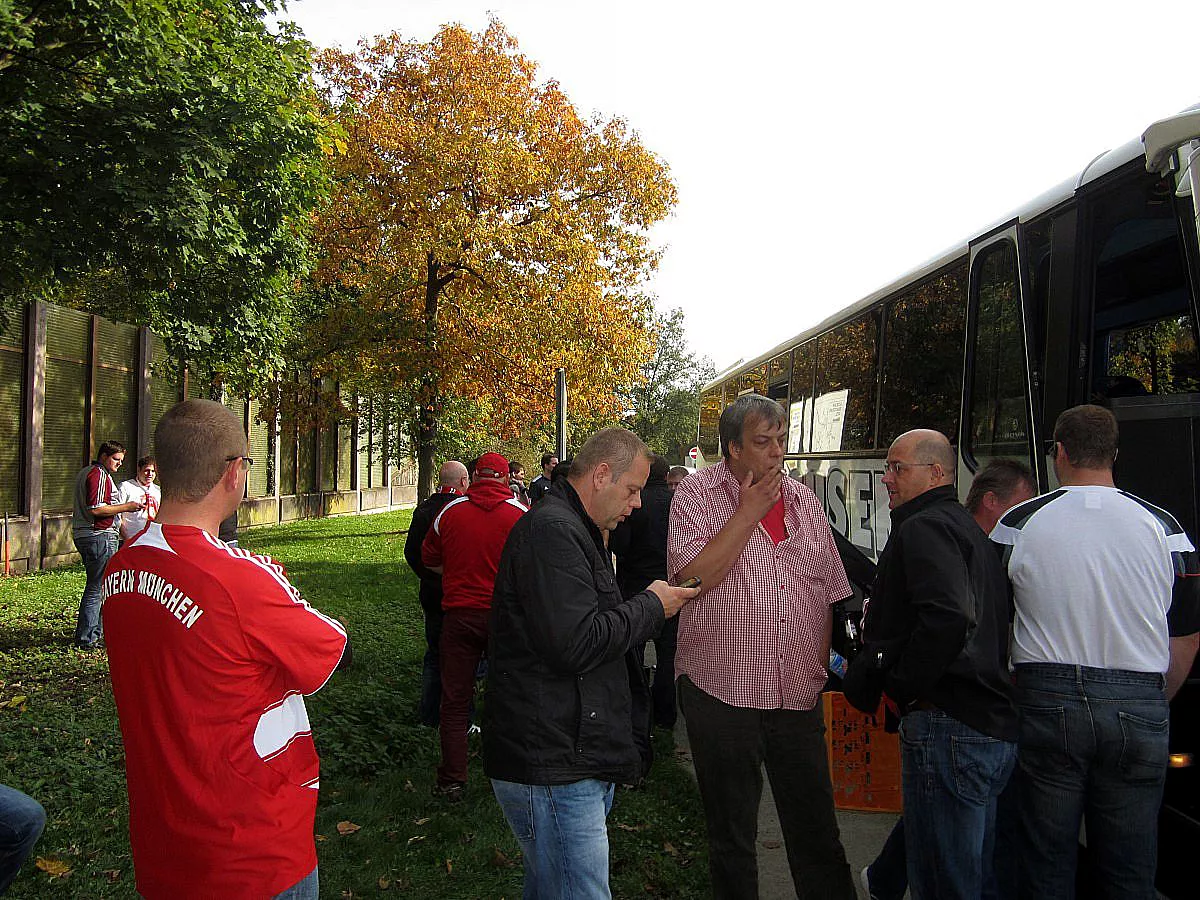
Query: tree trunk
431,405
427,430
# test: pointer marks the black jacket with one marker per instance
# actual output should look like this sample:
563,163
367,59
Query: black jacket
640,542
936,629
422,521
566,698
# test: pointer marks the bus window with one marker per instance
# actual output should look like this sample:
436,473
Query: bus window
1144,340
844,409
754,380
998,416
710,416
804,361
922,357
779,371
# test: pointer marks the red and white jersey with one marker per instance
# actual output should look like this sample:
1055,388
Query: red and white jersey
211,651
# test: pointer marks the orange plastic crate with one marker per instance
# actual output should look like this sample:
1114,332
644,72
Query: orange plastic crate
864,760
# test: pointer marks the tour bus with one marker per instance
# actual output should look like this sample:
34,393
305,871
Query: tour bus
1086,294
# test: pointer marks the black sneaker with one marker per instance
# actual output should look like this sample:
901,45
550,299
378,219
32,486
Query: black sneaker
454,792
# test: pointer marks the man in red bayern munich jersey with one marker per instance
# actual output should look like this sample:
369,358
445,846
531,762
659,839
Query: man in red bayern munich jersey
211,652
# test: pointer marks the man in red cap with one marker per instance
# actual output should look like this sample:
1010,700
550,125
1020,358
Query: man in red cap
464,544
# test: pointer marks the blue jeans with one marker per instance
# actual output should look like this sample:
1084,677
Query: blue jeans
307,888
21,822
952,777
96,549
563,836
1093,748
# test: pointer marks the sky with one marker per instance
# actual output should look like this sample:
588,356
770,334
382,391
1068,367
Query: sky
823,150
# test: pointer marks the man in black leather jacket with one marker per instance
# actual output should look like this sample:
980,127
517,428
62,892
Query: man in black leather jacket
566,712
936,642
640,546
452,483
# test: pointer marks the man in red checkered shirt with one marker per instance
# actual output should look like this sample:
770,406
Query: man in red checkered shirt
752,653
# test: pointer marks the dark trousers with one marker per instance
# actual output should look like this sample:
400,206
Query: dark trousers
1092,749
464,644
431,674
662,692
730,745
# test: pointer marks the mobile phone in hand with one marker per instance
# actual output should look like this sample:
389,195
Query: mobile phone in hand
690,583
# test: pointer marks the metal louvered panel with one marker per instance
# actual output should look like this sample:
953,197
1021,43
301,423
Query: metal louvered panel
12,331
306,463
364,444
64,451
116,344
12,384
329,448
116,410
68,333
378,468
257,482
345,449
197,387
287,460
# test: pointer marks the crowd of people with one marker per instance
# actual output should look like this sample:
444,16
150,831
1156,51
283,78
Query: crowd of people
1030,687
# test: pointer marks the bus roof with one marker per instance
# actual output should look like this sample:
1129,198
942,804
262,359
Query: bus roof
1100,166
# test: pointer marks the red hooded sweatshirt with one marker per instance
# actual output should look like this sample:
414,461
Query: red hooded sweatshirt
466,539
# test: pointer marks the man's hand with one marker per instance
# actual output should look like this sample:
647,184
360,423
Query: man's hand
672,598
758,497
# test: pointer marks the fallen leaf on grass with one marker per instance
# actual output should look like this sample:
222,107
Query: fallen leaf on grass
499,860
384,883
449,865
408,786
321,837
112,874
416,837
421,821
55,868
625,827
670,849
347,827
16,701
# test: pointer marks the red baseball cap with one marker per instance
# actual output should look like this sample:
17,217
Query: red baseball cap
492,465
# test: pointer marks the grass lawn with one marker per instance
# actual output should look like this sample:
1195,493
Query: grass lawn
378,829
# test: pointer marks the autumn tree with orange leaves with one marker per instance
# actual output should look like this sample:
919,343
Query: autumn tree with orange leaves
481,234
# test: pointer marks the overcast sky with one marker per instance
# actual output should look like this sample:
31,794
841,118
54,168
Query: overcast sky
823,151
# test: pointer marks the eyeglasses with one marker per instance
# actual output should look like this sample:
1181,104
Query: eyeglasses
249,460
1052,447
896,467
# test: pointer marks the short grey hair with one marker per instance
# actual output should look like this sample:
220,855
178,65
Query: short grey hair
618,447
749,406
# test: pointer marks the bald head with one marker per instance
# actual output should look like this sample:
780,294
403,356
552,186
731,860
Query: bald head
453,474
918,461
929,446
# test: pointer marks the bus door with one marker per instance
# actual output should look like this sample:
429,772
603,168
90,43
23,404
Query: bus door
998,401
1138,323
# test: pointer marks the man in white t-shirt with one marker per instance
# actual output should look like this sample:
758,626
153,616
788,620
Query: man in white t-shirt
1105,631
142,490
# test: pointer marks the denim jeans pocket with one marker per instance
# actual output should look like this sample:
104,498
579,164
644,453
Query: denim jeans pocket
1043,733
516,801
1143,748
978,763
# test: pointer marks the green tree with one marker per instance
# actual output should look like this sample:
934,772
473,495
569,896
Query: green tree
159,160
665,407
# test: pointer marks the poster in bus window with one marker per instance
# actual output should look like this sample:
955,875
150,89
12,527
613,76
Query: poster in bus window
796,425
829,416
